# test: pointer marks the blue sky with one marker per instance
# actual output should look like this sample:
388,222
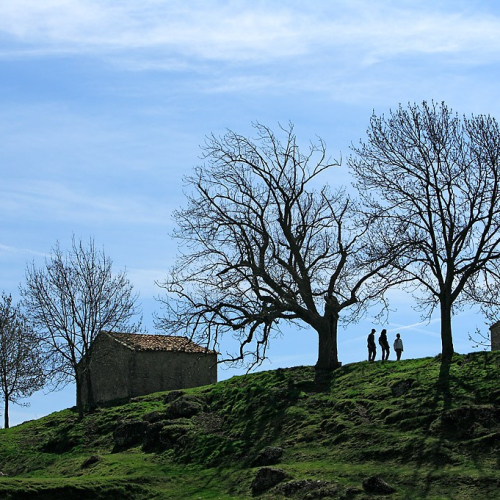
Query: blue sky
103,106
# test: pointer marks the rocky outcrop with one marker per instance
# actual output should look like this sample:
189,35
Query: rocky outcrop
271,455
376,484
266,478
129,433
90,461
185,407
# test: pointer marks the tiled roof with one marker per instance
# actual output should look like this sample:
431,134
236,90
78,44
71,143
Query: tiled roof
145,342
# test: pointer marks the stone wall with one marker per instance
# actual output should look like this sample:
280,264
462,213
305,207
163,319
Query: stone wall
119,372
155,371
495,336
110,369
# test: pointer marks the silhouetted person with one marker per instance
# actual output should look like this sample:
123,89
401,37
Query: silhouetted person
372,348
398,346
384,344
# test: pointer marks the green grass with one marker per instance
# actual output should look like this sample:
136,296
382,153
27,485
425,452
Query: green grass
431,431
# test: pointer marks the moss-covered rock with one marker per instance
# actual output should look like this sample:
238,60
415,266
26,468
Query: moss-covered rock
129,433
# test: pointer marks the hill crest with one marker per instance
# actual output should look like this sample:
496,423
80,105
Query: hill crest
428,430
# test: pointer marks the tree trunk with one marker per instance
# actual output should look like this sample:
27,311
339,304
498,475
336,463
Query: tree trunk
6,414
79,395
446,335
327,351
83,379
90,391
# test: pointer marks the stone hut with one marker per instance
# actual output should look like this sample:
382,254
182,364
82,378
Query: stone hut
126,365
495,336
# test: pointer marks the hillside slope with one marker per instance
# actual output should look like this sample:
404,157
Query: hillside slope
426,430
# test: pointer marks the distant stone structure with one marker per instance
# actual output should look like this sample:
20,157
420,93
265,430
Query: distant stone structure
495,336
126,365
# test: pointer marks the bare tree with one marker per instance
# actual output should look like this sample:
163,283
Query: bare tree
434,177
21,363
71,299
260,245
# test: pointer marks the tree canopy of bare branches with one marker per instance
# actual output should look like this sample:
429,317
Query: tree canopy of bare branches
434,177
69,300
264,241
21,363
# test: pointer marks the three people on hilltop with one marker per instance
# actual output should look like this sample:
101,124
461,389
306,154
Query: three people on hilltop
384,344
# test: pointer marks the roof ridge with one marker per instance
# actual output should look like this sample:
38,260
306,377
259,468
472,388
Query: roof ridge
158,342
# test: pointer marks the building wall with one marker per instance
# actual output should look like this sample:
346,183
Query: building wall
119,372
495,336
110,369
155,371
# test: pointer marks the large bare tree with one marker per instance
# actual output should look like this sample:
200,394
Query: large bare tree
434,177
21,362
69,300
264,240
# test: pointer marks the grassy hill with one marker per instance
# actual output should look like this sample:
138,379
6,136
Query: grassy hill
428,431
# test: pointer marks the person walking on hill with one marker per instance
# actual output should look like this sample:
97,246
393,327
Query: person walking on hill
372,348
398,346
384,344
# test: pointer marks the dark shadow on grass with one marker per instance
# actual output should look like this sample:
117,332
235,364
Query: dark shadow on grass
443,390
215,477
324,379
445,395
442,394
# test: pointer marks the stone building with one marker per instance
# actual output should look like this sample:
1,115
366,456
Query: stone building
126,365
495,336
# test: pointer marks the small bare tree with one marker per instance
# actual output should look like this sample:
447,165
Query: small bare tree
21,363
69,301
262,246
434,178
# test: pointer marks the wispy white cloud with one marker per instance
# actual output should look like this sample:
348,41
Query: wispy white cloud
239,31
19,251
213,31
56,201
416,327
